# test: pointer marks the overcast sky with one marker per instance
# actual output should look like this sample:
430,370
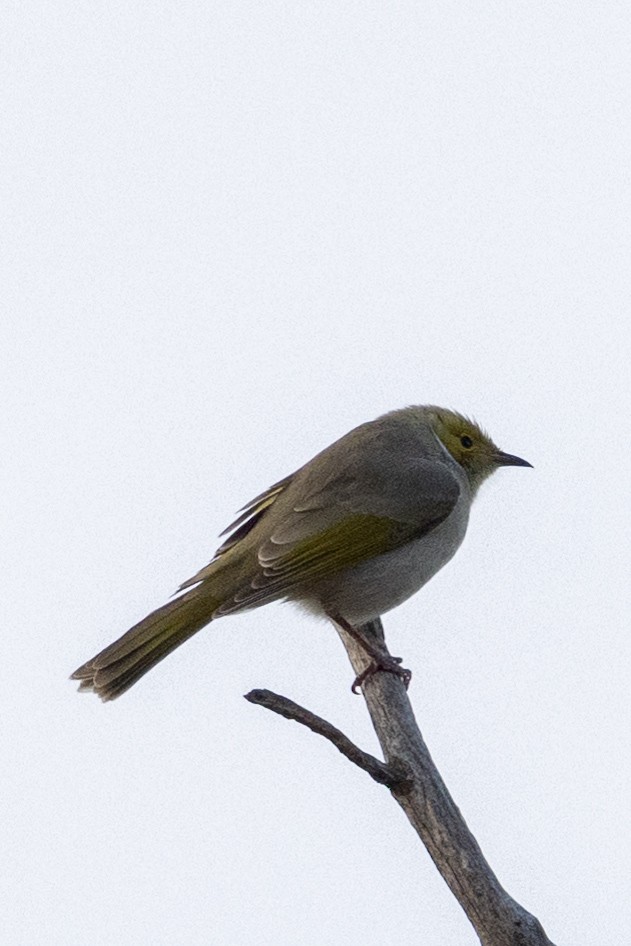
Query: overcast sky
231,232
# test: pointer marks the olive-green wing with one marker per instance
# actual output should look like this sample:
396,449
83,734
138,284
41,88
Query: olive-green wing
336,529
347,543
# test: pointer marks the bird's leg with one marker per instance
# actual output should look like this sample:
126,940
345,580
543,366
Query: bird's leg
381,659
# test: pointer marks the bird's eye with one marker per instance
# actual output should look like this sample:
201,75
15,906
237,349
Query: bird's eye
466,441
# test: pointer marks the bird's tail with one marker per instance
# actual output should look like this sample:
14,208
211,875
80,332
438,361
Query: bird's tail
121,664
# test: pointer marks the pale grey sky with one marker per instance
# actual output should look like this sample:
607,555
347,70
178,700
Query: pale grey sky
231,232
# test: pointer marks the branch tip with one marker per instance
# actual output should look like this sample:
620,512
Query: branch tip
395,777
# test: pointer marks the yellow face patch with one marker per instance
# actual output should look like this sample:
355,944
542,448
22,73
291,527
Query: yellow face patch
466,440
468,444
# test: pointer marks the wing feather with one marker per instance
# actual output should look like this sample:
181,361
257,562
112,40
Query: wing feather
251,514
305,547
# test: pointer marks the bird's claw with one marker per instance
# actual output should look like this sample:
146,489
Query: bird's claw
387,665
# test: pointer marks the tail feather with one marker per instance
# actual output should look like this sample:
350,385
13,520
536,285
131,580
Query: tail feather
119,666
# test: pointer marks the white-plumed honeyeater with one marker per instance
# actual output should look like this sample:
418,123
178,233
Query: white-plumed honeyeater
350,535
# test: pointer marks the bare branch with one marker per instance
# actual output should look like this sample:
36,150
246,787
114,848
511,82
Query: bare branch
410,774
390,775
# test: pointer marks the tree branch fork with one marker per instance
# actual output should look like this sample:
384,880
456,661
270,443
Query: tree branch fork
415,783
393,776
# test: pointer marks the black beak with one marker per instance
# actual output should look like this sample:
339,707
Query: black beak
507,459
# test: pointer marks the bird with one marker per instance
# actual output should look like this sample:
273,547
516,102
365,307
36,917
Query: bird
350,535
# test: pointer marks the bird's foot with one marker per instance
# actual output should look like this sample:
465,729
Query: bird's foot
387,664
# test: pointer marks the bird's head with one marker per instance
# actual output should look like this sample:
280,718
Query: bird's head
469,445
